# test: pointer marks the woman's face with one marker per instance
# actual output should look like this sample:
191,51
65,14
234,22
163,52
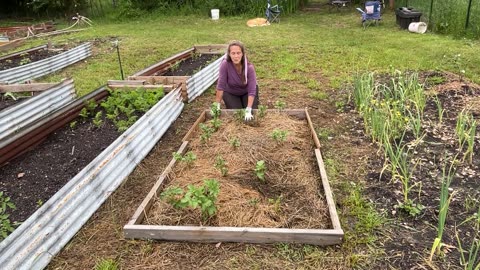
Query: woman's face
236,54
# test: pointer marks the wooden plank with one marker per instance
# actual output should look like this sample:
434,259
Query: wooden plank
200,119
22,52
298,113
328,192
312,130
141,211
165,63
166,88
161,79
234,234
31,87
11,45
211,49
138,82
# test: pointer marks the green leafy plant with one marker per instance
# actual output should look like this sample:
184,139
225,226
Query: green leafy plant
97,120
73,124
239,115
235,142
121,107
260,169
39,202
5,225
106,264
203,197
279,135
277,202
207,132
175,66
221,165
262,110
25,61
188,158
215,111
84,113
280,105
216,123
91,105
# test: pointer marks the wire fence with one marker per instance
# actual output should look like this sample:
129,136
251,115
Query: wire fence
456,17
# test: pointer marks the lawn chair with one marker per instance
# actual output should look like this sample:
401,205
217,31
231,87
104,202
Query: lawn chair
339,3
273,12
371,13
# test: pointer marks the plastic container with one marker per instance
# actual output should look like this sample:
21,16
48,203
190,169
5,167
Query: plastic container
215,14
405,16
418,27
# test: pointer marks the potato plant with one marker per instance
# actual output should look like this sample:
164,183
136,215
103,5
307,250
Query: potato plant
260,170
203,197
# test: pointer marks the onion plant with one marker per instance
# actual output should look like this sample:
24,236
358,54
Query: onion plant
472,262
440,109
465,130
445,200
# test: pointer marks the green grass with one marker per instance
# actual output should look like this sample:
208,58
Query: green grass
301,44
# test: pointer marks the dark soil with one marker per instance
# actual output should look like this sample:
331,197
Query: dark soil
191,65
414,236
27,58
35,176
7,102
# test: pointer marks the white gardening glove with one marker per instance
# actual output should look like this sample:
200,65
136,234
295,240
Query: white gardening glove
248,114
215,109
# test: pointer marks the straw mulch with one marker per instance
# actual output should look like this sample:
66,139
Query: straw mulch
290,197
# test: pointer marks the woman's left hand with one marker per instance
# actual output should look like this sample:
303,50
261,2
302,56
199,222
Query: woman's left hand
248,114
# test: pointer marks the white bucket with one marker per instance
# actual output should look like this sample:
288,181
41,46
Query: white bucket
417,27
215,14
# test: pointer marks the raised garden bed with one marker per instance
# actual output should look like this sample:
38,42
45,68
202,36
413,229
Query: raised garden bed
39,61
195,69
273,204
32,178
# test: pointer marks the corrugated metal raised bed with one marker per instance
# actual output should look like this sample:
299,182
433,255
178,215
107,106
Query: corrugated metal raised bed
43,67
29,135
240,187
25,113
45,233
192,86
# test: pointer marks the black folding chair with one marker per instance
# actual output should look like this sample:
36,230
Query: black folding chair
273,12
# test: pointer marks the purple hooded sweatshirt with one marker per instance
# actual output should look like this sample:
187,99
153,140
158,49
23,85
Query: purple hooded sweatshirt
229,80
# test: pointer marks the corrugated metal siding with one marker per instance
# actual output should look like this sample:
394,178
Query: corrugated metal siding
19,116
46,66
202,80
48,230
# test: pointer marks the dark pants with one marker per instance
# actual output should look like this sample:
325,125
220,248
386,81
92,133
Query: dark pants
239,102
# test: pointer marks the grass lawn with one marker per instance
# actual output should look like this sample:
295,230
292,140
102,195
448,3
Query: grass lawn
309,59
